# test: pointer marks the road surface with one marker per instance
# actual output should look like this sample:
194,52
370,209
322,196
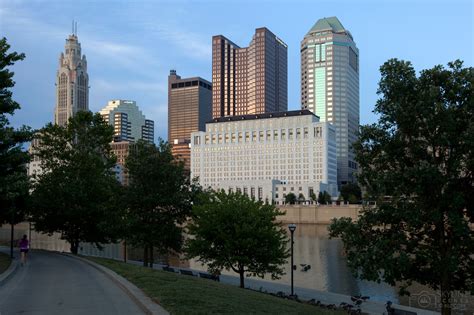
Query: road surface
52,283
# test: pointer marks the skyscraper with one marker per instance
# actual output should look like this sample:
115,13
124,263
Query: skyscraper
72,82
189,108
128,121
249,80
330,86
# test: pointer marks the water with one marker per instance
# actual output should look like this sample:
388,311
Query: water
329,271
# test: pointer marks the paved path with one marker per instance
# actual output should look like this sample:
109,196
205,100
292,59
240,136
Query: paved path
52,283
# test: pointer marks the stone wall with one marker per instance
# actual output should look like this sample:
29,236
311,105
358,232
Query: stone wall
318,214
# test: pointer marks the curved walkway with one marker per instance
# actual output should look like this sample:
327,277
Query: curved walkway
51,283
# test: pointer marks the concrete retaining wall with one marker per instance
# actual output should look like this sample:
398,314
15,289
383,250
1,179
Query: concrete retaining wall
318,214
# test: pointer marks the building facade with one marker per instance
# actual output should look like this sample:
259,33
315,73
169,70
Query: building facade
189,108
72,82
128,121
249,80
330,86
267,156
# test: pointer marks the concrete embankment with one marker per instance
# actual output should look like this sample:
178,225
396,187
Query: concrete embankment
318,214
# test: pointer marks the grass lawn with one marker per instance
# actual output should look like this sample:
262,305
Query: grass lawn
4,262
180,294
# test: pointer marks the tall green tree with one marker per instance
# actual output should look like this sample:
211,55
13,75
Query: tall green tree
14,184
232,231
13,158
417,162
76,192
158,199
324,198
351,193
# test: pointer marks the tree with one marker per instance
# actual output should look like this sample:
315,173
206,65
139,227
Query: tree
351,193
13,176
158,199
301,198
290,198
232,231
76,193
324,198
417,163
313,197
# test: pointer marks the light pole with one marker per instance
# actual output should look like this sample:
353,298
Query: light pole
292,228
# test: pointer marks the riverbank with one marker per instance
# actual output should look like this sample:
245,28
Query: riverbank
181,294
317,214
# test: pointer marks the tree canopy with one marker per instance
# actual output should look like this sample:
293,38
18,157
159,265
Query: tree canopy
417,162
324,198
290,198
233,232
351,193
158,198
76,192
14,184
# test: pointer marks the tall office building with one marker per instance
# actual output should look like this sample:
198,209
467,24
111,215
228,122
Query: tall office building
249,80
189,108
128,121
330,86
72,82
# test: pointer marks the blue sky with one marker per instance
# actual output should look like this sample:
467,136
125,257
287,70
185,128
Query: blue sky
132,45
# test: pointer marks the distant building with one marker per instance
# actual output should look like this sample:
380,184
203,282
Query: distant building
72,92
72,82
130,125
267,156
189,108
249,80
121,150
330,86
128,121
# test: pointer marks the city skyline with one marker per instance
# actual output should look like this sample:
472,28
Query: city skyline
124,65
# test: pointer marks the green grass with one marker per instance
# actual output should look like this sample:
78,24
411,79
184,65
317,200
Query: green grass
181,294
5,261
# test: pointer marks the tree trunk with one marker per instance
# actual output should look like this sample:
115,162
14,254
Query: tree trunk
241,274
125,251
74,247
145,256
445,296
151,257
12,233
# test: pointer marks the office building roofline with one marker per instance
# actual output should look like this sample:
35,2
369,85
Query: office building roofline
291,113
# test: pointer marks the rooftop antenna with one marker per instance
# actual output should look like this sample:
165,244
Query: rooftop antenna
73,27
76,30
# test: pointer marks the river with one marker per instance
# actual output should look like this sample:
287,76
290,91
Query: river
329,271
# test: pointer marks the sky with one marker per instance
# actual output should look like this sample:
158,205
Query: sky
131,45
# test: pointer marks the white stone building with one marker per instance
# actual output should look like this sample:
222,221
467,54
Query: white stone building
267,156
128,121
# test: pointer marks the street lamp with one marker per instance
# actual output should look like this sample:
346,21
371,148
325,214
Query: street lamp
292,228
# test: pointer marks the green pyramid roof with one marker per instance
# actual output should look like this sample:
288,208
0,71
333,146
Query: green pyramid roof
327,24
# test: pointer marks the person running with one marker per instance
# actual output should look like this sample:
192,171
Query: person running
24,246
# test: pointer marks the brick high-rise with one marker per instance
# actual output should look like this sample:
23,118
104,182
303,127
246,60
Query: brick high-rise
189,108
249,80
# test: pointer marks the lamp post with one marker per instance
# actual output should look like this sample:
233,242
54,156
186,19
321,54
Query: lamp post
292,228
